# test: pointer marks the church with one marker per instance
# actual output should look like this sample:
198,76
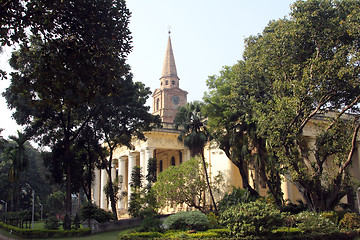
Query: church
163,145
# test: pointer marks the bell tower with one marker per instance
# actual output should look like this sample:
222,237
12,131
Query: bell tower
169,96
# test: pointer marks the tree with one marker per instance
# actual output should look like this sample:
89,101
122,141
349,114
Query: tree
194,134
183,184
19,162
120,119
310,66
233,126
74,57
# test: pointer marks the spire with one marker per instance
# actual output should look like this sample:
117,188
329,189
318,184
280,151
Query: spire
169,68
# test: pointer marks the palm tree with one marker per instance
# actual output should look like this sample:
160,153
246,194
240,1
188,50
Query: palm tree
194,134
16,152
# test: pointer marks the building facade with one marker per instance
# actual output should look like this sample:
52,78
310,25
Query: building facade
165,147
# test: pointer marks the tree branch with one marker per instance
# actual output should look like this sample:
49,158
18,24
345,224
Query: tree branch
343,111
353,148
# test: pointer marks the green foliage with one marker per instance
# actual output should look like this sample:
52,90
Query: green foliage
187,221
55,203
35,234
253,218
315,222
237,195
294,208
89,210
194,134
52,223
350,221
151,224
213,219
143,200
286,231
297,71
189,178
139,235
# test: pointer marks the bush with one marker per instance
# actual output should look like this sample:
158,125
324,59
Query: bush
286,231
30,233
89,210
315,222
52,223
139,235
150,224
187,221
236,197
350,221
253,218
213,219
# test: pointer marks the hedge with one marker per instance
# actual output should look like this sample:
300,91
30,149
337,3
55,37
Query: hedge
36,233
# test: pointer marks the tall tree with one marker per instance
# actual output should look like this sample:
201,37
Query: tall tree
194,134
75,57
120,119
19,162
232,124
310,63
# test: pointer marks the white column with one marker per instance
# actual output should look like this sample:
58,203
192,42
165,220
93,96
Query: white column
143,163
96,188
132,164
149,153
103,203
122,173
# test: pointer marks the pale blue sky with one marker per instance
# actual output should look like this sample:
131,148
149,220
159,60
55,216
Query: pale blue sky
206,35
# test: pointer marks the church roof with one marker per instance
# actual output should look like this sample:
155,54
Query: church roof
169,67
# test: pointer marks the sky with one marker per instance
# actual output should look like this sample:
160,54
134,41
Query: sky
205,35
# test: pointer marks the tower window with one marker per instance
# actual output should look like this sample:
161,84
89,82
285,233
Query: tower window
157,103
166,82
172,161
173,82
160,166
180,157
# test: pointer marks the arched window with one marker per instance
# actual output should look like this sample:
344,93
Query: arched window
172,161
157,103
160,166
180,157
173,82
166,82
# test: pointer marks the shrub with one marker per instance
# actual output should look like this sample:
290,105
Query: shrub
150,224
315,222
286,231
294,208
236,197
253,218
89,210
187,221
139,235
35,234
350,221
213,219
52,223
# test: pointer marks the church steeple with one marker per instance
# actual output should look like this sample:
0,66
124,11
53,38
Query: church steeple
169,78
169,96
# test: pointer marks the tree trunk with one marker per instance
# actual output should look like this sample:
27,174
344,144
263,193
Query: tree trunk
111,192
68,178
208,182
245,180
